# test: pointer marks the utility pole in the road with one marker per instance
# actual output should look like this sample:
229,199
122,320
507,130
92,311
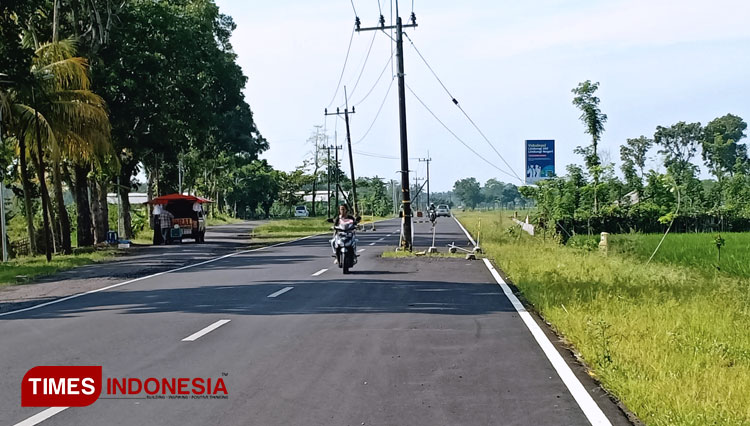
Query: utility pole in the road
349,144
427,160
406,236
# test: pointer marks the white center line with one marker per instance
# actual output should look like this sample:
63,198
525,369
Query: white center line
361,250
372,244
40,417
317,273
280,292
210,328
381,239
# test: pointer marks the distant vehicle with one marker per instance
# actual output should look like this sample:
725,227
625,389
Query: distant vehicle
189,218
301,211
443,210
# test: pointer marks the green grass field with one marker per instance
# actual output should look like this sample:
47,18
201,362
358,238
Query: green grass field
25,269
669,339
691,250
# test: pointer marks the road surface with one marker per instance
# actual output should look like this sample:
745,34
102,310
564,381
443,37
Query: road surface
397,342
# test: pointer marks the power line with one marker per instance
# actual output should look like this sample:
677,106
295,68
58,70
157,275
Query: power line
377,114
390,60
455,101
458,138
353,8
348,49
364,64
383,156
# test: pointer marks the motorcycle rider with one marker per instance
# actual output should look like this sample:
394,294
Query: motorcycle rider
343,215
432,212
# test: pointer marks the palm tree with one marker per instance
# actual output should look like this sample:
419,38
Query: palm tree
66,121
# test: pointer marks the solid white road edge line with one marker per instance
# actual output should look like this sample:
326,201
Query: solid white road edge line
195,336
474,243
74,296
280,292
592,411
319,272
42,416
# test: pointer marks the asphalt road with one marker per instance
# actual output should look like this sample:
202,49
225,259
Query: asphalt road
137,261
397,342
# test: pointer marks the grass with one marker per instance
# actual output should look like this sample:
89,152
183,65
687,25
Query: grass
668,339
691,250
282,230
25,269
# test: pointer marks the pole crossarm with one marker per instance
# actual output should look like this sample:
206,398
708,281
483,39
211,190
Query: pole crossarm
387,27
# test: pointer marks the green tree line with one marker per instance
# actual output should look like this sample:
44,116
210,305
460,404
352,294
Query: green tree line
94,92
594,198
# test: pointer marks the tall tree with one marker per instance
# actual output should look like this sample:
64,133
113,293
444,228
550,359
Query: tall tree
592,117
469,191
634,155
679,143
721,147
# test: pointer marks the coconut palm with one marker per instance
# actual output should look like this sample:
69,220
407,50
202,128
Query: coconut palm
65,121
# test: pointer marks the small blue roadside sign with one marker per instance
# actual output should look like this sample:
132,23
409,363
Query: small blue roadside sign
540,160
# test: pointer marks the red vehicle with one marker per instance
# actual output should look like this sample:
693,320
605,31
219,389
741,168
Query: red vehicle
188,214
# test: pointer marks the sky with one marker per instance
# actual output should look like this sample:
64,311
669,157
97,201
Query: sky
510,64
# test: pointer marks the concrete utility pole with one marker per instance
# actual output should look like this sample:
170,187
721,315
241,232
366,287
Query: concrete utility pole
427,160
349,144
337,148
406,236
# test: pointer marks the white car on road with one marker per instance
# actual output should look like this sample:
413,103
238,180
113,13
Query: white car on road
443,210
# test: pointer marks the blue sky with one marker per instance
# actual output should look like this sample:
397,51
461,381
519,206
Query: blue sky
510,64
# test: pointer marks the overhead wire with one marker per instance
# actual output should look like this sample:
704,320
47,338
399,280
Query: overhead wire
458,138
382,156
346,60
376,114
390,59
455,101
353,8
364,64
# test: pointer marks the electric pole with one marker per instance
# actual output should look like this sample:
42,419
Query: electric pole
336,170
417,189
349,144
427,160
406,236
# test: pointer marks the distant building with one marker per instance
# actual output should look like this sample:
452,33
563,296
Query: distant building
133,197
320,196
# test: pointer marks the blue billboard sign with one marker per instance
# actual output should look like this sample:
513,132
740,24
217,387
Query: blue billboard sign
540,160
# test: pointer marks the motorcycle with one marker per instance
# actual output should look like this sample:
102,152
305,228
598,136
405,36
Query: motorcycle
345,244
433,216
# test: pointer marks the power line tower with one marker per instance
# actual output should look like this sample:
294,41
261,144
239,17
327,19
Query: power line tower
406,236
427,160
346,113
